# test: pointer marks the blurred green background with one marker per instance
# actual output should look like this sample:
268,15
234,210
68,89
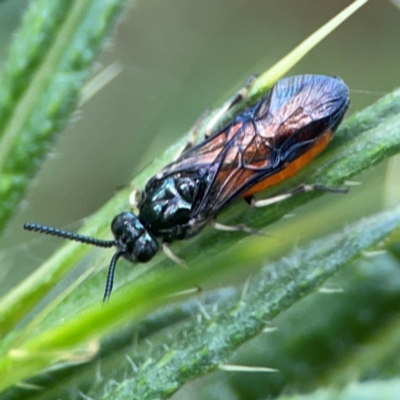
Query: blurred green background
178,58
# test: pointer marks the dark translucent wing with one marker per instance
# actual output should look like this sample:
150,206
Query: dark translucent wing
300,108
205,154
283,125
287,122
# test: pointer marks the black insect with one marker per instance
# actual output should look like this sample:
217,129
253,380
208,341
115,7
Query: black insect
265,144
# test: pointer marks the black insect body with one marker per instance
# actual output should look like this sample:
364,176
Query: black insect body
261,147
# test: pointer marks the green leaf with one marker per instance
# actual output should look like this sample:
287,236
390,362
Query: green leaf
17,303
71,328
358,153
41,82
205,346
374,390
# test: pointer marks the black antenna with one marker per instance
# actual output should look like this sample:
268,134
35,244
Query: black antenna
49,230
110,275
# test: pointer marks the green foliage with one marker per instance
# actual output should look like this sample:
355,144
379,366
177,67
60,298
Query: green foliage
49,60
57,344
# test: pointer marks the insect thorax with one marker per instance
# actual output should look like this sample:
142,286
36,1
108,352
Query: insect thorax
167,206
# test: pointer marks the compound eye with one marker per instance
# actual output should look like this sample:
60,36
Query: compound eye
117,225
187,188
144,248
125,224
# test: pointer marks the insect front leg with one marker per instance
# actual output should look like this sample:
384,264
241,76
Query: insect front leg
134,198
299,189
171,255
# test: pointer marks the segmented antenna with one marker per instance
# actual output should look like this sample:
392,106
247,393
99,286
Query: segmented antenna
110,275
49,230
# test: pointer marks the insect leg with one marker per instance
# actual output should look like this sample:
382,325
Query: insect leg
134,198
168,252
212,124
300,189
241,94
194,137
237,98
235,228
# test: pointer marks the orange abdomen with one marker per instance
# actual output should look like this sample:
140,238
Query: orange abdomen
291,168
